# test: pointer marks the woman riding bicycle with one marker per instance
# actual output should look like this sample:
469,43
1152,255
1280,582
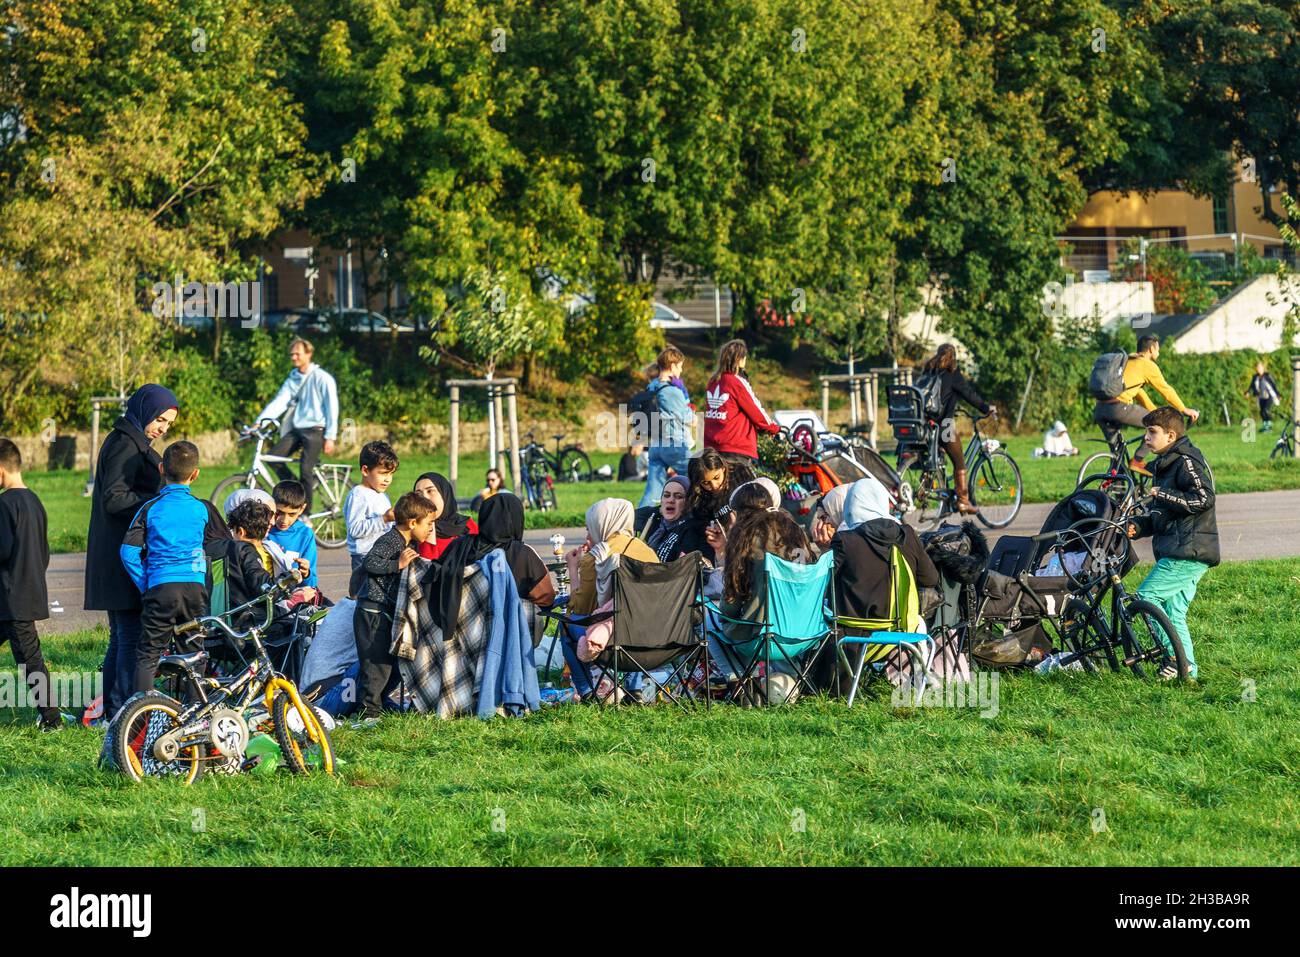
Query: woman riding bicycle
952,386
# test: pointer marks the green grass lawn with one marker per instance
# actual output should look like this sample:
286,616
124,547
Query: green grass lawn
1181,775
1238,467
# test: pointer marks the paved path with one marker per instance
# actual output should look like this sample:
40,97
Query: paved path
1251,525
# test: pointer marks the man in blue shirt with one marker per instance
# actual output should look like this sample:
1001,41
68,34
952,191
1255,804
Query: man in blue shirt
310,397
163,552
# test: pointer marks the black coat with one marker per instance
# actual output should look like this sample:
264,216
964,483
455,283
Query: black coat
1181,521
126,476
862,570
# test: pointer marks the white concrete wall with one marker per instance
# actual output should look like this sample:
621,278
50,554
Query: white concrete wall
1232,323
1111,302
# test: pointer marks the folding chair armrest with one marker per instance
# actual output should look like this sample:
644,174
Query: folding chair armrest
711,606
577,621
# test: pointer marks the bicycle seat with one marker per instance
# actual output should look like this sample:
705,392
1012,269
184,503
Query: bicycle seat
189,661
559,438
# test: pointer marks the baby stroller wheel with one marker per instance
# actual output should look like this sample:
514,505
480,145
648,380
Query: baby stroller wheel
1149,640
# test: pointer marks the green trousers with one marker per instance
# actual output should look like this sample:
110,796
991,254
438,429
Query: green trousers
1172,586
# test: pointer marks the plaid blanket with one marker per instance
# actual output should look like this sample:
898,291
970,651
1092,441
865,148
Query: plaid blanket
441,675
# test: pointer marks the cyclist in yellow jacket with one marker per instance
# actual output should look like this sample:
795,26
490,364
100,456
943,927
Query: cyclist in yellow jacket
1131,405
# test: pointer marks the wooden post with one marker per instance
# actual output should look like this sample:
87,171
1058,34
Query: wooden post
1295,405
453,471
94,445
873,396
826,401
500,425
492,428
511,408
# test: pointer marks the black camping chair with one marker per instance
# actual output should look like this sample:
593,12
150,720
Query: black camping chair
658,622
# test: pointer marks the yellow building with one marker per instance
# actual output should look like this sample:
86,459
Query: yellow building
1203,227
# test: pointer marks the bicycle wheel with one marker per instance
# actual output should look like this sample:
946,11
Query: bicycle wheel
304,742
231,483
574,465
926,492
1149,639
1090,638
141,723
328,521
1096,464
1282,449
996,490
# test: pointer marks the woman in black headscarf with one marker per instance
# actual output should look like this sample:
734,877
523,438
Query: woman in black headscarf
126,476
450,523
500,525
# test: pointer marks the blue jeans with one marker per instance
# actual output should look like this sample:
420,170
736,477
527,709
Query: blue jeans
119,659
584,679
663,458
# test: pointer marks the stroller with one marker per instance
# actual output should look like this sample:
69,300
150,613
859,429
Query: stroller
1026,584
819,460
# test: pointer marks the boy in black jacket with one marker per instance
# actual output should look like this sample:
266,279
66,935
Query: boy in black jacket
24,556
372,622
1182,523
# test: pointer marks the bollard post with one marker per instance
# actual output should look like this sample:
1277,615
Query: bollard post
826,401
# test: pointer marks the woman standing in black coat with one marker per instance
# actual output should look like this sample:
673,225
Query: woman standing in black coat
126,476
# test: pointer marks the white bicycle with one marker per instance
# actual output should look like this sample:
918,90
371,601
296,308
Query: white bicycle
333,482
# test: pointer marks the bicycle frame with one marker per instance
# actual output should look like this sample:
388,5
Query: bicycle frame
259,469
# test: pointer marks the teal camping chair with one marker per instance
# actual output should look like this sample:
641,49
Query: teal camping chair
795,622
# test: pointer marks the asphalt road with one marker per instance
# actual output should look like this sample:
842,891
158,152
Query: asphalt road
1251,525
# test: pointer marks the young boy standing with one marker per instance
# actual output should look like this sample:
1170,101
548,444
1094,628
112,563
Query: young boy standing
372,622
367,511
294,536
24,556
1182,523
163,552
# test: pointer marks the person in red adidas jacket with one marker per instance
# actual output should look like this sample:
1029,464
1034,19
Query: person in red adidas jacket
734,416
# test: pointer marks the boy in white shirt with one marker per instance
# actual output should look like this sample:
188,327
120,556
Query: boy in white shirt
368,511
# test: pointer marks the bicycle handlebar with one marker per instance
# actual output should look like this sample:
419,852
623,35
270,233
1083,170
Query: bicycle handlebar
280,586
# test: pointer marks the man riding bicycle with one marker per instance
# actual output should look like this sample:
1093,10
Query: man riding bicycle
309,404
1140,370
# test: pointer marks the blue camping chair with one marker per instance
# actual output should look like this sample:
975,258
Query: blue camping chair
794,624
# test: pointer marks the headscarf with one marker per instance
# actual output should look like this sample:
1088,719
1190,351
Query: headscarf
867,500
147,403
773,491
240,495
500,525
605,519
832,504
664,535
450,524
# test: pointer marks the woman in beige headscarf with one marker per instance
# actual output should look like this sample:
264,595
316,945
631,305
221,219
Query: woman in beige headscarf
592,564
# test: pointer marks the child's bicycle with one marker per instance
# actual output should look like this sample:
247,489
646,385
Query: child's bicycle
159,736
333,482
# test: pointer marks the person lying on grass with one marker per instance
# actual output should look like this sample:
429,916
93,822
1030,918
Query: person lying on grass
1181,521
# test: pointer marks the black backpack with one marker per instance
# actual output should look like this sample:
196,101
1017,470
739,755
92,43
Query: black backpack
644,403
1107,378
931,389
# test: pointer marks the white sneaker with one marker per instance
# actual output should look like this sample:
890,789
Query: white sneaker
782,689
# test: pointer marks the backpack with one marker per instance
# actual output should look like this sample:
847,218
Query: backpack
931,389
1107,378
644,403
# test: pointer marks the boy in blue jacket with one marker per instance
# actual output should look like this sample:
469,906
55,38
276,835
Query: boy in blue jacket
164,554
290,530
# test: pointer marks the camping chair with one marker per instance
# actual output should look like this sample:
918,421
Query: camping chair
899,630
655,612
795,622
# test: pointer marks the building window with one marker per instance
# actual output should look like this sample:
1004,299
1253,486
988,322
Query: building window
1222,219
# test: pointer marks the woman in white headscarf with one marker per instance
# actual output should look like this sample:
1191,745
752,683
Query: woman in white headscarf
591,565
863,549
829,514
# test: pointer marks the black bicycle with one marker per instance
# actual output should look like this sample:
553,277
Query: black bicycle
569,463
1115,463
1284,447
924,492
1101,623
